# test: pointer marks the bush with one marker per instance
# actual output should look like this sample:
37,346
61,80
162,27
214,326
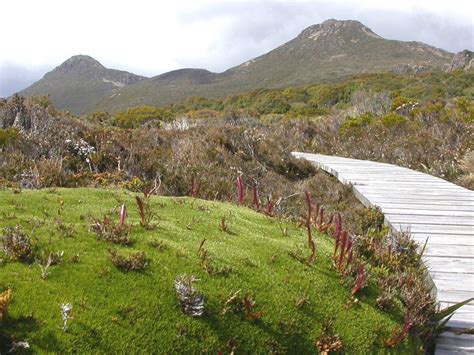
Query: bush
17,245
392,120
5,299
356,123
8,136
136,116
133,262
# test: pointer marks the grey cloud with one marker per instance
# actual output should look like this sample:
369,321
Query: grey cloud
256,28
14,78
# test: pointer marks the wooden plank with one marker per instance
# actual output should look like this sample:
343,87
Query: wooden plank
427,210
414,192
378,197
382,174
454,251
425,219
449,265
433,228
444,239
453,296
428,213
450,343
414,201
452,280
394,183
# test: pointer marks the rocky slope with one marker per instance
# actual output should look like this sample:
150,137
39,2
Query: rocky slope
79,83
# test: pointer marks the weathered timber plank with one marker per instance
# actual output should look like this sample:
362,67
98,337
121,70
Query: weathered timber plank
425,219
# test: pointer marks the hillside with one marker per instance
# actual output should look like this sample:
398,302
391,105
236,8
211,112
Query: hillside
112,310
324,52
79,83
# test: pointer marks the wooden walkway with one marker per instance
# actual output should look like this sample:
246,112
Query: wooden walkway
425,206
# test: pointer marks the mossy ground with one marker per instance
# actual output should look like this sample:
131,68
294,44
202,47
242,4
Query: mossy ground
139,311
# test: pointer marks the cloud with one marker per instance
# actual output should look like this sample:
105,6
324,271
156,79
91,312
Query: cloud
14,78
151,37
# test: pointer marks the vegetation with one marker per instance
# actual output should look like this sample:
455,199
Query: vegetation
200,269
170,301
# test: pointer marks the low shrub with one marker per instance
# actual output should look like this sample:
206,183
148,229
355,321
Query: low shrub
17,245
133,262
5,299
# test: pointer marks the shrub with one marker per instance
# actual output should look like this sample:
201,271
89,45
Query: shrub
138,115
109,231
134,262
355,123
467,166
392,120
5,299
17,245
8,136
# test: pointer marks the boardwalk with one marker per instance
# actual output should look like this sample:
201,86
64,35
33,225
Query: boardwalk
426,206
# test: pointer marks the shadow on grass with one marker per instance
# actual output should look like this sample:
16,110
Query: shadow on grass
293,341
18,329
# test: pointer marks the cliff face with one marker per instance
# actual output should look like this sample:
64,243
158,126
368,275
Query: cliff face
462,60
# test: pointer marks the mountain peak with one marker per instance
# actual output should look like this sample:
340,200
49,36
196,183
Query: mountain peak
338,28
80,62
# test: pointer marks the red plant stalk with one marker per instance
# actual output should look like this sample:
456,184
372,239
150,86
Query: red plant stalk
123,215
313,252
269,208
322,228
308,218
343,245
338,229
240,190
360,279
403,333
349,252
141,209
255,199
320,225
336,245
337,233
349,259
194,190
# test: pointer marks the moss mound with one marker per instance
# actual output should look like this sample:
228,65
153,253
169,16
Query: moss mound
281,304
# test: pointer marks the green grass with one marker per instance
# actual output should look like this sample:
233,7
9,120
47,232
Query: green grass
139,311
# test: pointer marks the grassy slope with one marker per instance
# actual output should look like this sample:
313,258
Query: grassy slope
139,311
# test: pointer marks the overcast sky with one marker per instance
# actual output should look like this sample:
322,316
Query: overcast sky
152,37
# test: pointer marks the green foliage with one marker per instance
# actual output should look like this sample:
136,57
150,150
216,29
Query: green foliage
399,101
356,123
392,120
464,109
139,115
44,101
140,312
273,103
8,136
101,118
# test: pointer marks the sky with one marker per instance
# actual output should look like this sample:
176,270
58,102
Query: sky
150,37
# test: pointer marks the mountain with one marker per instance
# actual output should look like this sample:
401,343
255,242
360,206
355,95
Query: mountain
79,83
328,51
